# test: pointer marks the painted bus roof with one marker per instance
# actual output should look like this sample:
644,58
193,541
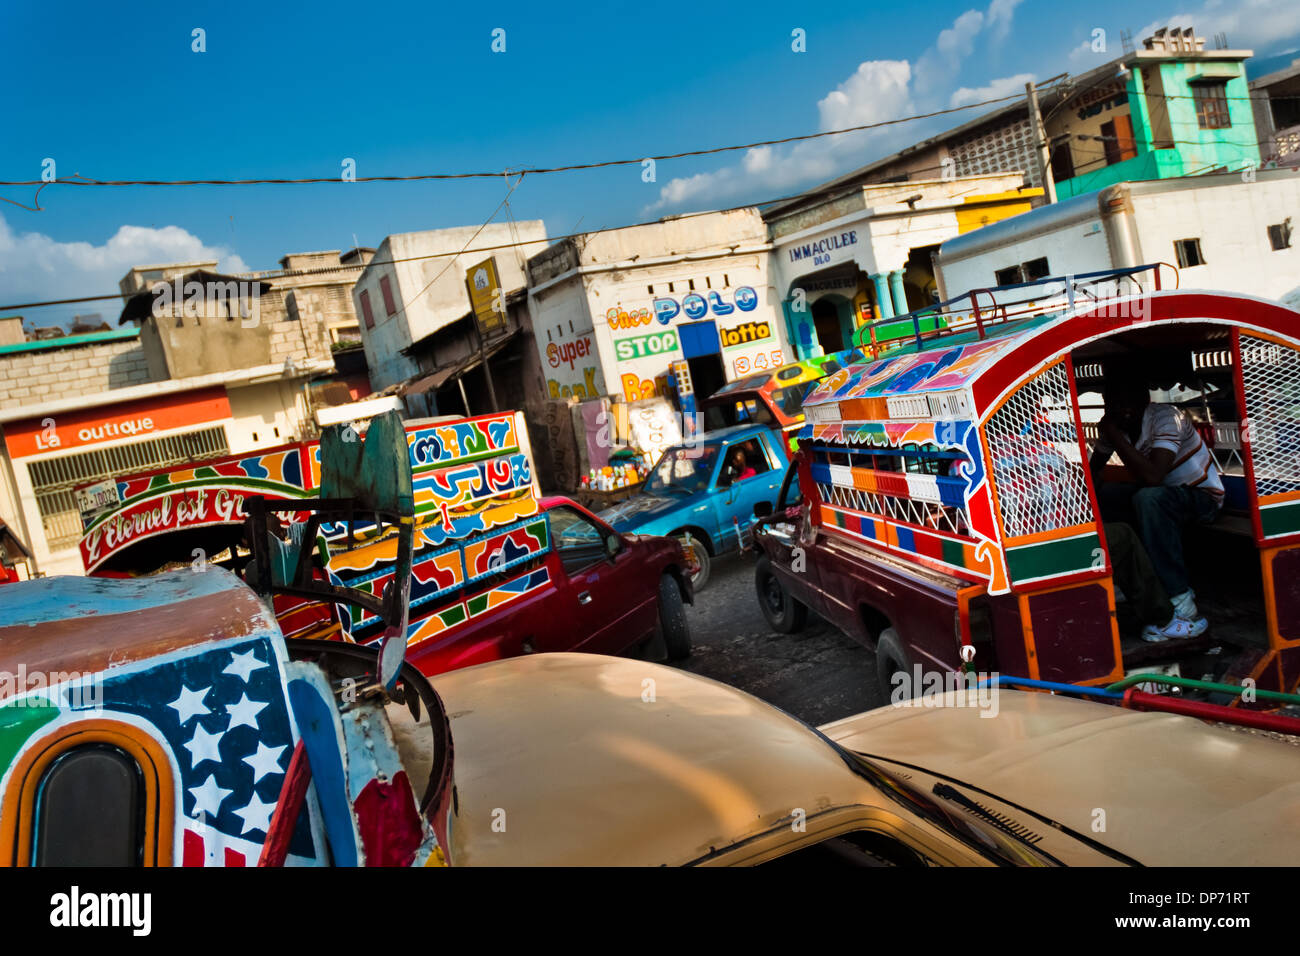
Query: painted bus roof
948,363
89,625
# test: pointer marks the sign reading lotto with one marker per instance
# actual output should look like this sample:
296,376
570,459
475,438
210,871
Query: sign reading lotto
469,476
69,430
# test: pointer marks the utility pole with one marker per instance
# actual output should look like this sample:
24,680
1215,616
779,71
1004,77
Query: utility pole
1040,138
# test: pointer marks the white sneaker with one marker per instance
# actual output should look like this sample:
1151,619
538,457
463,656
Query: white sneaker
1178,628
1185,605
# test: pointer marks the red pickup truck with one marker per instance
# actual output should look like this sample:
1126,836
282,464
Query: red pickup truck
497,570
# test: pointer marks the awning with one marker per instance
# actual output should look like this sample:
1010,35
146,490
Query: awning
432,381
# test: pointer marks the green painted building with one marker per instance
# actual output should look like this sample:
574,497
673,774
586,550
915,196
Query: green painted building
1170,109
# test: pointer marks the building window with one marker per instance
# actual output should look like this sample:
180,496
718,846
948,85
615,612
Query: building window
1211,101
386,288
1062,160
1189,253
1008,276
366,313
1117,139
1025,272
1035,269
1280,235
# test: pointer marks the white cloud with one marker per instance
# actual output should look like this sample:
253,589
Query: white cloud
1001,13
877,91
1003,86
1258,25
36,267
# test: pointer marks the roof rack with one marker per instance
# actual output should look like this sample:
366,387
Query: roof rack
980,310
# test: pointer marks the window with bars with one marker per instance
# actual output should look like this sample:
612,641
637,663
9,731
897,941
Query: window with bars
53,479
1211,101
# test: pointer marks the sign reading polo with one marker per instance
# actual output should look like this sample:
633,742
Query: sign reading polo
644,346
696,306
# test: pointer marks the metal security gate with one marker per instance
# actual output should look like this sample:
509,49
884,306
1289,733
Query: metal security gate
54,478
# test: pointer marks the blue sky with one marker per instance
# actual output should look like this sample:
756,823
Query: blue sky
113,93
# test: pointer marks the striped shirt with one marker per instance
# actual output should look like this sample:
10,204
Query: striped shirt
1164,426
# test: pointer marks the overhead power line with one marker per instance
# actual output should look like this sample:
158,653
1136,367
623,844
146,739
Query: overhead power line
78,180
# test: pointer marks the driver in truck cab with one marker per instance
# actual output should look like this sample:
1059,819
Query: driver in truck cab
1175,482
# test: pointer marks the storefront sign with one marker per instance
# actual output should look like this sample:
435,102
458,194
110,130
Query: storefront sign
696,306
64,431
642,346
567,353
744,334
485,296
820,251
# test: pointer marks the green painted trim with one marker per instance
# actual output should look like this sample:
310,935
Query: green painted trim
17,724
1050,559
1280,519
69,341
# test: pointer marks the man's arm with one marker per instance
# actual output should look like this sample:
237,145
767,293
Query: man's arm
1148,470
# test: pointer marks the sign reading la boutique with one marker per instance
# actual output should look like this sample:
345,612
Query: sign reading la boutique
79,428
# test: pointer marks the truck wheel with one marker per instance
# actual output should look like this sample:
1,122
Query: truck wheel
700,577
785,613
672,619
892,659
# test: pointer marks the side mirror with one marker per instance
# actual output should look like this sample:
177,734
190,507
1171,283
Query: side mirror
763,509
613,544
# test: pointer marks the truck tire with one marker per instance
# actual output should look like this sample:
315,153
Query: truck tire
672,619
785,613
891,659
700,577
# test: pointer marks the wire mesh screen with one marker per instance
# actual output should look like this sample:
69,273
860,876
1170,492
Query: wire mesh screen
1271,376
1037,468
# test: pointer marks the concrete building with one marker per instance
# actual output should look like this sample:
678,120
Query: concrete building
611,310
846,256
319,284
1172,108
415,285
195,370
465,371
1277,115
1227,231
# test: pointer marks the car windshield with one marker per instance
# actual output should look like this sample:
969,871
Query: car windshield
737,409
683,470
1005,834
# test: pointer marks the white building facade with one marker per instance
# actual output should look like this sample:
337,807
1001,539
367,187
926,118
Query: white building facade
415,286
612,310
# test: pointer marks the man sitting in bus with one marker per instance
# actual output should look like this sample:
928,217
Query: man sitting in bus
1175,479
1137,583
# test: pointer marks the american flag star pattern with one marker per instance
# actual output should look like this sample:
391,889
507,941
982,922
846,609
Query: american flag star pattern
226,721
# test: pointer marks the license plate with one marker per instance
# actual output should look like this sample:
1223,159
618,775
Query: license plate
96,499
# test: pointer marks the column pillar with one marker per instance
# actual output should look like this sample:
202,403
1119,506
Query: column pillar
897,293
879,280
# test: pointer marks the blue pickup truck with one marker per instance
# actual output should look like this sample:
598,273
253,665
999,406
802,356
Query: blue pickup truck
703,492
